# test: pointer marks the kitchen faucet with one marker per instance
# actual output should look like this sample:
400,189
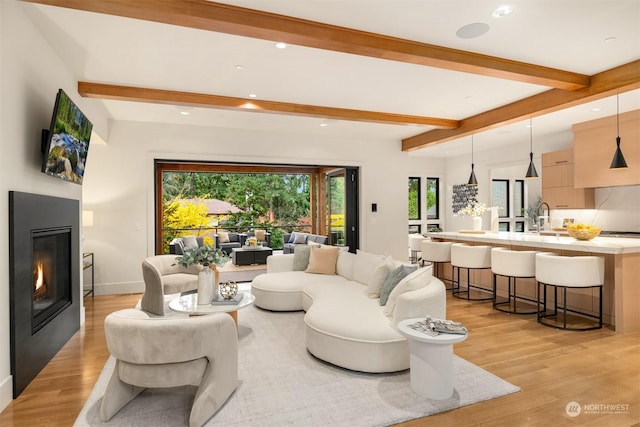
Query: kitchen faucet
540,208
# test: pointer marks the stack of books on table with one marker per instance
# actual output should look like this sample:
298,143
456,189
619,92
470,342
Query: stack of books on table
219,300
431,326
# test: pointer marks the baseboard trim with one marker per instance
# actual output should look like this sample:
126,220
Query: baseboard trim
119,288
6,392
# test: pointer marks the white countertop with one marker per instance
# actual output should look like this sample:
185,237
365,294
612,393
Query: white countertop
604,245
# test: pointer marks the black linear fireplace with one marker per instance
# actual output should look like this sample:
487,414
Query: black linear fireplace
44,260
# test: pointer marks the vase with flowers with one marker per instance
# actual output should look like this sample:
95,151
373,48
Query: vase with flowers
474,209
208,257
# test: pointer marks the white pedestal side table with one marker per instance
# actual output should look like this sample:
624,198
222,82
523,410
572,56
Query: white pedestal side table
431,360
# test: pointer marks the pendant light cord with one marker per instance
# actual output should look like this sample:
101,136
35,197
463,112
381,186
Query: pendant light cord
530,135
618,113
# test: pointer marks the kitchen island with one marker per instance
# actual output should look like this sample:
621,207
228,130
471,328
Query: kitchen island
621,291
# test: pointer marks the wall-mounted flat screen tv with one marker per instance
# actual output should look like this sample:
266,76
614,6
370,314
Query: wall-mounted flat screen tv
66,143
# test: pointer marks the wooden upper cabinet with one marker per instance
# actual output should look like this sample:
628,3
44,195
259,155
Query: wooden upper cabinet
558,183
594,145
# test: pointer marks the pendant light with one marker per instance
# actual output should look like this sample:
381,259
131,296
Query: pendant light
531,172
618,161
472,178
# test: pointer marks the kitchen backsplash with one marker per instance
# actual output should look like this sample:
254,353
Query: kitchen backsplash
617,209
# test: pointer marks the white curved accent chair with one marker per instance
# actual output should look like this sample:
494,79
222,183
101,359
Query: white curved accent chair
566,272
470,258
513,265
415,245
163,276
436,253
154,352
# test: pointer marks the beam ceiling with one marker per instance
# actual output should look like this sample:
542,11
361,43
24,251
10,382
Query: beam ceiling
170,97
616,80
568,89
222,18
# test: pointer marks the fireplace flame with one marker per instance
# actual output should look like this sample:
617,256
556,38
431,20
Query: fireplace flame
39,277
40,290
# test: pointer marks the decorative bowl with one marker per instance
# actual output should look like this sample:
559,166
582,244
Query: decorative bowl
228,289
583,232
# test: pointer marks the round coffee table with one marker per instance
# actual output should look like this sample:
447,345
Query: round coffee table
189,304
430,360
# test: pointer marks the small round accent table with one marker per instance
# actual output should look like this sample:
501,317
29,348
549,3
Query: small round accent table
189,304
430,360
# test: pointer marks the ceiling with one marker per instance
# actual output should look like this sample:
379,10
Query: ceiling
313,76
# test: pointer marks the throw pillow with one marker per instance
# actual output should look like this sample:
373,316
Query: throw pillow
380,274
261,235
190,242
300,238
292,238
344,266
223,237
416,280
301,258
322,260
393,279
364,266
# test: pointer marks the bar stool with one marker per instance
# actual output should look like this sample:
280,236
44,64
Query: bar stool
564,272
512,265
437,253
415,241
471,258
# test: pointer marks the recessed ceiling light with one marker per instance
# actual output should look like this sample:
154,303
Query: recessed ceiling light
503,11
239,67
595,109
472,31
184,113
609,39
252,95
281,45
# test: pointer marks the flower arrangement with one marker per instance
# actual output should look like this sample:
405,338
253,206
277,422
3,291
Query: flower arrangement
203,255
474,208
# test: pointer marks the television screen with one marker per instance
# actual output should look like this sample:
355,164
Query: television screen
66,145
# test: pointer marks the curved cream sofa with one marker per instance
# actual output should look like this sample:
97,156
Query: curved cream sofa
344,321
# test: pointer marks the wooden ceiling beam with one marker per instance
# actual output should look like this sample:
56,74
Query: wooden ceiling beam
171,97
616,80
222,18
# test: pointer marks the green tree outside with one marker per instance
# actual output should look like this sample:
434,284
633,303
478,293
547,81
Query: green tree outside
267,201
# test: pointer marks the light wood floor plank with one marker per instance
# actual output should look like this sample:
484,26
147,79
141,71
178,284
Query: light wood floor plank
551,367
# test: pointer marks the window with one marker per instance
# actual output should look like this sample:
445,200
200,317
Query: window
500,195
504,226
518,198
433,198
415,229
414,198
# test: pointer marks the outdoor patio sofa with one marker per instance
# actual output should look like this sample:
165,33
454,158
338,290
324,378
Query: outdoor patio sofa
290,240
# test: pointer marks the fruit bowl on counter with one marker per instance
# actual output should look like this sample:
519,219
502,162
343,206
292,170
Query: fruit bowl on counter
582,232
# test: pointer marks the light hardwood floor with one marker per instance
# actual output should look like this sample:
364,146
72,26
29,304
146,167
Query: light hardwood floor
552,367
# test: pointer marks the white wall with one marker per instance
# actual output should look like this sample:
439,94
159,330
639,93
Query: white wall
118,186
30,76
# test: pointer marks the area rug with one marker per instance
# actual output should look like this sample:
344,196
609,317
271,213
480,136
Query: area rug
282,384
